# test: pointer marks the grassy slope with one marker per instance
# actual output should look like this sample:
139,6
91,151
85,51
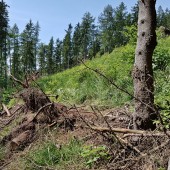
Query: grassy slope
80,85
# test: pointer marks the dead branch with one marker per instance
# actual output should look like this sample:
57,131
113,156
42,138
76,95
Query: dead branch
144,135
6,122
131,146
133,131
24,85
42,108
6,110
118,130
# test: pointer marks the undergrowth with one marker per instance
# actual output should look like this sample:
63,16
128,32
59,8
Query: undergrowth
50,155
81,85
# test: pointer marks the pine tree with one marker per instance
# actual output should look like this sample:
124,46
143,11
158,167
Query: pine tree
36,42
120,21
107,27
76,41
167,18
95,43
15,45
28,48
160,17
58,55
42,54
50,57
87,28
67,48
3,43
134,14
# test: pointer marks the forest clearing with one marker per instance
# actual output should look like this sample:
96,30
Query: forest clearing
97,99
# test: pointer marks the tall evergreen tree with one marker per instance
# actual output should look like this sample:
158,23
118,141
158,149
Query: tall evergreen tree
94,43
3,43
28,48
15,45
76,42
120,20
67,48
107,27
167,18
87,28
50,57
134,14
42,64
36,42
160,17
58,55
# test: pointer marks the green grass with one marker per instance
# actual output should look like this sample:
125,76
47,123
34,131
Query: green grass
49,155
81,85
2,153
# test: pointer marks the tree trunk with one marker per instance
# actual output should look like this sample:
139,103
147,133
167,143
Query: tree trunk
143,72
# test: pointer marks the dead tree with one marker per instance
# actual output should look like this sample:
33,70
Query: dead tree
143,72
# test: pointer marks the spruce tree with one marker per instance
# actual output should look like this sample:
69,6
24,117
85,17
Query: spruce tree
3,43
67,48
28,48
15,45
134,14
120,21
50,57
87,28
107,27
42,64
58,55
76,41
36,42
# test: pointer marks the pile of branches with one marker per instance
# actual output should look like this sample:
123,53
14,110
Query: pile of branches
38,111
129,149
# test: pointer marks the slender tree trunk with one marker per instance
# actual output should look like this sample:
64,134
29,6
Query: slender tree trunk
143,72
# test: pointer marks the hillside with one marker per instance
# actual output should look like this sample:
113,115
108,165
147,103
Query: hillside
90,143
81,85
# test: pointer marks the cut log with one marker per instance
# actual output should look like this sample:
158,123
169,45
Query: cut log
21,139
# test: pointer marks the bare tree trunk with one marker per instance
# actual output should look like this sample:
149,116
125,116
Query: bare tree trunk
143,72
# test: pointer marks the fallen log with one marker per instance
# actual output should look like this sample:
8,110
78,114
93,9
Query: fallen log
18,130
22,139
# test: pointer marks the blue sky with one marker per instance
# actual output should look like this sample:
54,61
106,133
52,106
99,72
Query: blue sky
55,15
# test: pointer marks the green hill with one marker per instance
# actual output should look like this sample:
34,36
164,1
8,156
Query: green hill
81,85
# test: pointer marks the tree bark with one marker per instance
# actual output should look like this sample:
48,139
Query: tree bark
143,72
